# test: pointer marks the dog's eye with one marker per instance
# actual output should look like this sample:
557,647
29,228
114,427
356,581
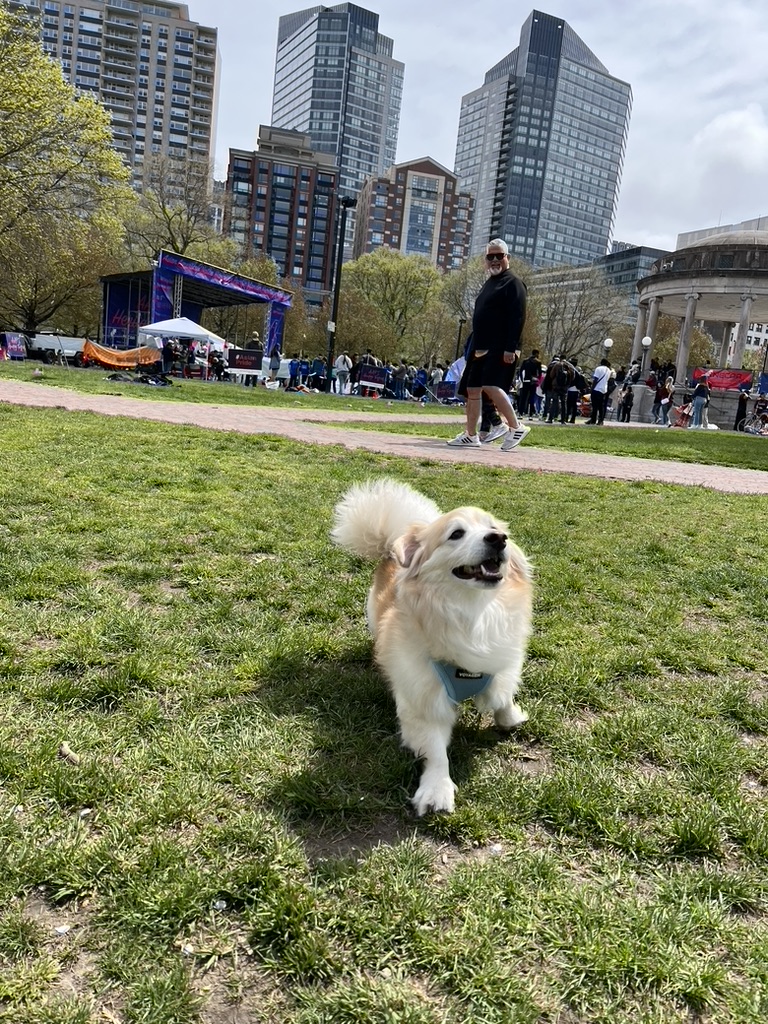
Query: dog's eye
457,534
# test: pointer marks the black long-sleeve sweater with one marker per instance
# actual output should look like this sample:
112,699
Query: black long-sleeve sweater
499,316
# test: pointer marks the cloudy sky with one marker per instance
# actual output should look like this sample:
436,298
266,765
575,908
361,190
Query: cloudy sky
697,154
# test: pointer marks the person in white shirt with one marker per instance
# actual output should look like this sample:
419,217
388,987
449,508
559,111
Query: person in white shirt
600,379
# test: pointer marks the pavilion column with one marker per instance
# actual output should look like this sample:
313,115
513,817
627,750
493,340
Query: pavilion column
684,345
637,347
724,344
653,316
741,334
653,319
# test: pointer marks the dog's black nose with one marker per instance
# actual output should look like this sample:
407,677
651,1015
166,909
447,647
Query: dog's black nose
496,540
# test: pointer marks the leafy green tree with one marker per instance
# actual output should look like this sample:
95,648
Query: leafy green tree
50,268
667,338
298,321
623,335
461,287
755,359
315,341
56,156
432,337
362,324
64,192
399,287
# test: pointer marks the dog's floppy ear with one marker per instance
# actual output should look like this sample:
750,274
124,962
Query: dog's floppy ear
409,551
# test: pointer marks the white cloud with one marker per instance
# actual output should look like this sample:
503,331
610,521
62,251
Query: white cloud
737,138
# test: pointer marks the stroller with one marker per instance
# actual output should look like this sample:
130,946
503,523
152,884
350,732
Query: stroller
680,415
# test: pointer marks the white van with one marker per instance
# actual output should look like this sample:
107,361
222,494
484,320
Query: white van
50,348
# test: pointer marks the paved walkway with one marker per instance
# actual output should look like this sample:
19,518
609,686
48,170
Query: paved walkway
327,427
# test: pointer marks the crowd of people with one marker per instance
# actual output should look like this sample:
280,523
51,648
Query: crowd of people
401,380
557,392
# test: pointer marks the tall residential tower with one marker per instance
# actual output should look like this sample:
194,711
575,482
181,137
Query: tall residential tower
282,200
337,81
154,70
416,208
541,147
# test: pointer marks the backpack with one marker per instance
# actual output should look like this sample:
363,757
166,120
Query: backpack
562,376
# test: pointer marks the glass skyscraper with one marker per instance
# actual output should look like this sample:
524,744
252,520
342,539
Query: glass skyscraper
336,80
541,147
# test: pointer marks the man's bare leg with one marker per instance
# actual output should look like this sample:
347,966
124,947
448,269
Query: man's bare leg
504,406
474,405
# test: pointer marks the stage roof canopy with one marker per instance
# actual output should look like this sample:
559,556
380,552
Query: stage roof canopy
205,285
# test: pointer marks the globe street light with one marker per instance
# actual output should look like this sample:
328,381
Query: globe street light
347,202
608,345
646,343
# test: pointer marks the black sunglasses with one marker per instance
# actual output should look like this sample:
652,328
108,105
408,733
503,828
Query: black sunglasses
491,256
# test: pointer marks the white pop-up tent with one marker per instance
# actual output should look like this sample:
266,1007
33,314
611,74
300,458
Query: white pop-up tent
183,327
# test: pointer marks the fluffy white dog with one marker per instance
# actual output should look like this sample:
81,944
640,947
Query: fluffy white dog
450,613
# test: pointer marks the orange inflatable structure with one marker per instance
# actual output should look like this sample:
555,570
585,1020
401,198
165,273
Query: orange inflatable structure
120,359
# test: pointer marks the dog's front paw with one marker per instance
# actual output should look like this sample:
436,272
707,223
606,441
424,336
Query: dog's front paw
510,716
435,795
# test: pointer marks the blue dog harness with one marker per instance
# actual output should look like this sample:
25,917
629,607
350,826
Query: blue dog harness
460,684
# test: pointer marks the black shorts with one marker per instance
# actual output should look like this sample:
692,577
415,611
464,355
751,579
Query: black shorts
489,371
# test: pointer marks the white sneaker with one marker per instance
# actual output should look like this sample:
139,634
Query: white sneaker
514,437
465,440
495,433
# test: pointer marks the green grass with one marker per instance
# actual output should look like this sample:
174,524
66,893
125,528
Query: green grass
235,841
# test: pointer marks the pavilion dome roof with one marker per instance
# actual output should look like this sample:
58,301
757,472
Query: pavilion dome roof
757,239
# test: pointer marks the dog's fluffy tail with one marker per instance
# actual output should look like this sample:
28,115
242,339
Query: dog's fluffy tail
371,516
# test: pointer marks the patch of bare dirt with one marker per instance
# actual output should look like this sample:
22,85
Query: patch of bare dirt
237,992
326,844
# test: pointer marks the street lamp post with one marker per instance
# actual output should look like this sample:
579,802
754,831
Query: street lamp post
646,343
608,345
347,202
462,321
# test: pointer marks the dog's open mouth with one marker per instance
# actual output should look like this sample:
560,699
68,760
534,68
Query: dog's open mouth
488,571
